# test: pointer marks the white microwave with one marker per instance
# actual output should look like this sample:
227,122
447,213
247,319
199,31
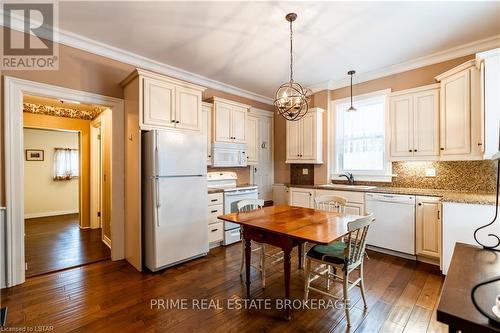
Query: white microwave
229,155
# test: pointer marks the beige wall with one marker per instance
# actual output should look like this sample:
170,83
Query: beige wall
85,71
83,127
401,81
42,194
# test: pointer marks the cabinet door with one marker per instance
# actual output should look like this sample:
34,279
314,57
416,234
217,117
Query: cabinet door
301,198
188,108
252,139
426,123
308,137
159,103
206,121
222,122
455,114
402,126
355,208
428,228
292,140
239,124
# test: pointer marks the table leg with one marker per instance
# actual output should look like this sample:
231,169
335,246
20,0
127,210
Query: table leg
287,264
300,247
248,260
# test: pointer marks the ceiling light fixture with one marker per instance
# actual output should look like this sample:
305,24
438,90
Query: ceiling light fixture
352,108
292,100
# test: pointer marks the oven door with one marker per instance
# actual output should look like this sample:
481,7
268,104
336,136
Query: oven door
231,199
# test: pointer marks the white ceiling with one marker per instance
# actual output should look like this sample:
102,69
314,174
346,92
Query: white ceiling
246,44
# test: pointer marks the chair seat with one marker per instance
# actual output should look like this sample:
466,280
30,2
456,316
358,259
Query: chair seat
332,253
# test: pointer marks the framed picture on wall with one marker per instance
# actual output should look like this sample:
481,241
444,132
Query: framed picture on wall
34,155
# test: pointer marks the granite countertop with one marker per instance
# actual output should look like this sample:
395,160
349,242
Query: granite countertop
445,195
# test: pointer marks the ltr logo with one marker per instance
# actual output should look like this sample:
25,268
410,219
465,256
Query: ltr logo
38,23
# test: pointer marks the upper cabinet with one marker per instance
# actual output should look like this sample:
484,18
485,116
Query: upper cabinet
460,127
489,65
414,117
252,139
206,129
304,138
229,121
166,102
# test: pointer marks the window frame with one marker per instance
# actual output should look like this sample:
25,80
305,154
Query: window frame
334,169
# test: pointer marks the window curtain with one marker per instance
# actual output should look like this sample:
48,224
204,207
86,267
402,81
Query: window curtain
66,163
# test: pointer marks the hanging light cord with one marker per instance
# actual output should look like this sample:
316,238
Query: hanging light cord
351,90
291,52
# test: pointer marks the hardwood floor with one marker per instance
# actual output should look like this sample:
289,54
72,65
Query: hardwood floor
112,297
57,242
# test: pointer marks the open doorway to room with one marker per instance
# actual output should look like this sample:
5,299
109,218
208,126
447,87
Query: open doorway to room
67,192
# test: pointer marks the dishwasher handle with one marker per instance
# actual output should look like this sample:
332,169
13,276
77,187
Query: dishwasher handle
395,198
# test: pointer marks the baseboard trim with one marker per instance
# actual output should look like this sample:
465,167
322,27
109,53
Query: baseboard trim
106,241
55,213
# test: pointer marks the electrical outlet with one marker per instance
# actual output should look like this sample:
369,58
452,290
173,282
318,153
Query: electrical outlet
430,172
305,171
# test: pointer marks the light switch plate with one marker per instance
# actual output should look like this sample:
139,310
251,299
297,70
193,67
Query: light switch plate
430,172
305,171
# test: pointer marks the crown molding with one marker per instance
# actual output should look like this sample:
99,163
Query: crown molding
449,54
86,44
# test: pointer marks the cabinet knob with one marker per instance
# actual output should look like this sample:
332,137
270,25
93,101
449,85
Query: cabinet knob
479,143
410,150
420,204
442,148
172,121
177,121
415,150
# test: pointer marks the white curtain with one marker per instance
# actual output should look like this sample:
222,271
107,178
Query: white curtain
66,163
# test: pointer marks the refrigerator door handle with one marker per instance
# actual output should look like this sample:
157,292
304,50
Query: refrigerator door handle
157,189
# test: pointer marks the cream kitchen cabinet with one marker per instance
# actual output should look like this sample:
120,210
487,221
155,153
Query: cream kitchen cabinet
166,102
252,139
215,226
301,197
460,123
489,64
229,121
428,227
355,200
414,118
304,138
207,129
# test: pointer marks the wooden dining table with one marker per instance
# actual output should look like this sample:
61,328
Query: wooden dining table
286,227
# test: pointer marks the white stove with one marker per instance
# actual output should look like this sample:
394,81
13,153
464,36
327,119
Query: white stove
227,181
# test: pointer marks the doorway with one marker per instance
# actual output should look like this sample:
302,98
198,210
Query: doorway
57,204
14,91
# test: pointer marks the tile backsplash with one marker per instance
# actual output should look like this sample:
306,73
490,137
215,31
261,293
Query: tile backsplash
302,174
464,176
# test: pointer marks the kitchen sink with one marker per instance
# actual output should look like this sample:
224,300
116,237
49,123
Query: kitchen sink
347,187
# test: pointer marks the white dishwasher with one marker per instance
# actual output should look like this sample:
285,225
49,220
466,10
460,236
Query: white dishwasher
394,226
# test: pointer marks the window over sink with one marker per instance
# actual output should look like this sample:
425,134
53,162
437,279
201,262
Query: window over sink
359,140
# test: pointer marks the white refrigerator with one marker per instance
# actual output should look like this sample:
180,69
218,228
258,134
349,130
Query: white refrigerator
174,198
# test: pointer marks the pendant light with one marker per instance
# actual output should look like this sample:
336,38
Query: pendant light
352,108
292,100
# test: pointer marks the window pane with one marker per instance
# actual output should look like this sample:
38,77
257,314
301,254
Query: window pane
362,136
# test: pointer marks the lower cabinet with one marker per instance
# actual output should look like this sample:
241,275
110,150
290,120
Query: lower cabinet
301,197
215,226
355,200
428,227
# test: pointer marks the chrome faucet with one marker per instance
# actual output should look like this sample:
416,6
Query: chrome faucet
349,176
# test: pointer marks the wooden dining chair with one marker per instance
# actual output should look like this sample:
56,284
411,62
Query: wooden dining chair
248,205
329,203
346,256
